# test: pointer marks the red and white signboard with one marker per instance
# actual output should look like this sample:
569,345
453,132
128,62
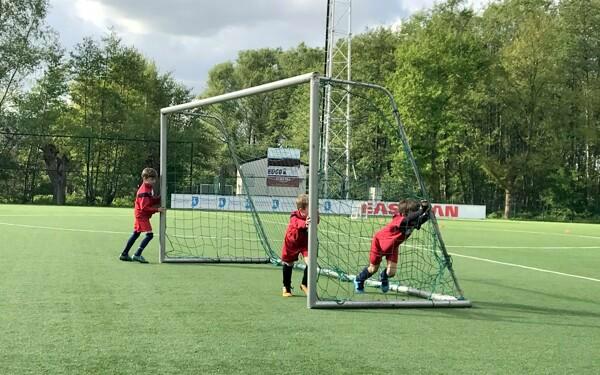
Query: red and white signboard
283,167
447,211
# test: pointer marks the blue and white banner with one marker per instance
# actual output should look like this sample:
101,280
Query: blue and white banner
326,206
233,203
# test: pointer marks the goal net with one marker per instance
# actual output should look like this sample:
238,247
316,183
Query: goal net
259,148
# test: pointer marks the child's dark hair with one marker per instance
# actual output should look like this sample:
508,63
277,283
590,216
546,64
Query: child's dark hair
302,201
406,206
149,172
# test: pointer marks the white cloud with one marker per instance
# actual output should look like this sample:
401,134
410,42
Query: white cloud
188,37
207,17
92,12
103,17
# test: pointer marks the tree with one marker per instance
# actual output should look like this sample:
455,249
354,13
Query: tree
580,141
518,143
23,42
40,111
440,68
117,95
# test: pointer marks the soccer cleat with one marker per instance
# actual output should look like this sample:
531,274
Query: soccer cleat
385,285
304,289
125,258
359,287
286,292
139,258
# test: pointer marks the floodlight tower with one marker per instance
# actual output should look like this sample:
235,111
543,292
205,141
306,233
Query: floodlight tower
336,119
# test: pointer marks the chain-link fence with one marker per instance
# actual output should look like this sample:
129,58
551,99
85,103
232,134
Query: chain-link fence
81,170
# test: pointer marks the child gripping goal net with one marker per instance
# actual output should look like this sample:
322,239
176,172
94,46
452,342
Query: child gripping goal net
233,165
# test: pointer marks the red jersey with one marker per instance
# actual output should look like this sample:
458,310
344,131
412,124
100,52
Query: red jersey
386,242
296,238
390,237
145,202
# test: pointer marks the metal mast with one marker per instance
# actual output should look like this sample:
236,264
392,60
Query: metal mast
337,129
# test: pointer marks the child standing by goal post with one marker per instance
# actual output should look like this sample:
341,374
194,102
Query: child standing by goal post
145,207
296,243
385,242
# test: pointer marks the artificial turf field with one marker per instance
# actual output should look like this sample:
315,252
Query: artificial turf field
67,305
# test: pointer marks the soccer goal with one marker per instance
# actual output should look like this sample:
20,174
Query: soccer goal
232,147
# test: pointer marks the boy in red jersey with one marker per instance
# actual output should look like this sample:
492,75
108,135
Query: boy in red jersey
294,244
385,242
145,203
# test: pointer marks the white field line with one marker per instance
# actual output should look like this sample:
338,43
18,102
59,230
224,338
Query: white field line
215,238
349,235
283,224
52,215
521,247
453,254
533,232
116,232
524,267
247,239
235,238
63,229
485,229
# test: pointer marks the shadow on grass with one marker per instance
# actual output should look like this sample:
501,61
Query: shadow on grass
485,314
491,311
535,309
508,312
499,312
535,292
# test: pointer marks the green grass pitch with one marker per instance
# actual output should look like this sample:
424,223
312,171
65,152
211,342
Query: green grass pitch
67,305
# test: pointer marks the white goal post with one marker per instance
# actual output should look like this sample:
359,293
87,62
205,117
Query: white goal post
314,80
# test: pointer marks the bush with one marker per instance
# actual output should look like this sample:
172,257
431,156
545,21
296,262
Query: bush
76,199
43,199
560,214
123,202
495,215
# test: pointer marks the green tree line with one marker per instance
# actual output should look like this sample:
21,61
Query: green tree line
501,107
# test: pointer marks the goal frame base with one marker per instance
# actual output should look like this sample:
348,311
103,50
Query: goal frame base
227,260
390,304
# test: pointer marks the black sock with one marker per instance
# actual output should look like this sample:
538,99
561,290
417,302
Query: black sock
363,275
130,242
144,243
287,277
305,276
384,275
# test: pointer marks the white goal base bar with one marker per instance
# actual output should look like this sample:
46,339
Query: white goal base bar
429,299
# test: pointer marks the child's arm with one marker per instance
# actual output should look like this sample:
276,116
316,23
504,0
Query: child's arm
416,219
146,201
426,208
301,224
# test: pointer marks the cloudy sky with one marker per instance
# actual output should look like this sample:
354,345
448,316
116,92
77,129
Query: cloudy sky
188,37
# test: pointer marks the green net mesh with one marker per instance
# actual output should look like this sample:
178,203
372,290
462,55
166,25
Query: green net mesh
230,197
